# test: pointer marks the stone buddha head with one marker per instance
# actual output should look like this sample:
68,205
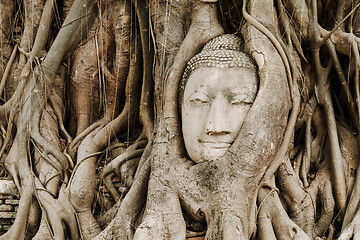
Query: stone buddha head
217,90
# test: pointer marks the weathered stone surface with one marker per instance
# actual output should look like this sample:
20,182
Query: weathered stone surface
7,187
2,197
7,215
8,204
6,208
5,221
12,201
6,227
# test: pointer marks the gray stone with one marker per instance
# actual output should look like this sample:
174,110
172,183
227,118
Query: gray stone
12,201
7,215
7,187
5,221
6,227
5,208
2,197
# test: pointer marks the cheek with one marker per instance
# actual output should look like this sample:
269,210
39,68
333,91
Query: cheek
193,118
191,129
188,126
236,116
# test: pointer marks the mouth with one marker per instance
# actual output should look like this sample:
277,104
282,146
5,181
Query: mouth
216,144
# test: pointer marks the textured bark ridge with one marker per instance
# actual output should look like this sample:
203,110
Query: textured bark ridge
90,123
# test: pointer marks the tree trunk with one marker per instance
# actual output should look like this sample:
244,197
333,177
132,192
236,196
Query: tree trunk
91,123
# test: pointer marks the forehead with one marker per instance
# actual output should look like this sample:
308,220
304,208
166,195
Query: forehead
213,79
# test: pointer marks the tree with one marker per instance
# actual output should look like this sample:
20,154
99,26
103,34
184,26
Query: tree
91,131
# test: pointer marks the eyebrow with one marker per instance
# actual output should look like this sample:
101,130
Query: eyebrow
248,92
197,91
200,91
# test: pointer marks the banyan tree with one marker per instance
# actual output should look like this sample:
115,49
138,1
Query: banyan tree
176,119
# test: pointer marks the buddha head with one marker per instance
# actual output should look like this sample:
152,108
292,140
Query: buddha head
217,90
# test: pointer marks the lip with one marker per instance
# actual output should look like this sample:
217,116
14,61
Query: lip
216,144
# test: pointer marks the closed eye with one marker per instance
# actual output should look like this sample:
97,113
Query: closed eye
241,101
199,98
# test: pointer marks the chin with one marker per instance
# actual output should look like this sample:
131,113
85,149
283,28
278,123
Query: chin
211,155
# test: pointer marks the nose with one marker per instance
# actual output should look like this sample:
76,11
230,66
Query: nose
217,123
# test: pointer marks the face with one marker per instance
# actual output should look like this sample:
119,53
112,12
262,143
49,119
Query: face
214,107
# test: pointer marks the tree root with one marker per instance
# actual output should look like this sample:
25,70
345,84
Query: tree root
57,213
82,177
294,93
146,112
163,217
47,174
352,230
34,11
109,185
73,146
17,158
7,69
59,110
324,96
274,223
130,153
299,201
122,226
7,11
69,36
105,218
46,148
